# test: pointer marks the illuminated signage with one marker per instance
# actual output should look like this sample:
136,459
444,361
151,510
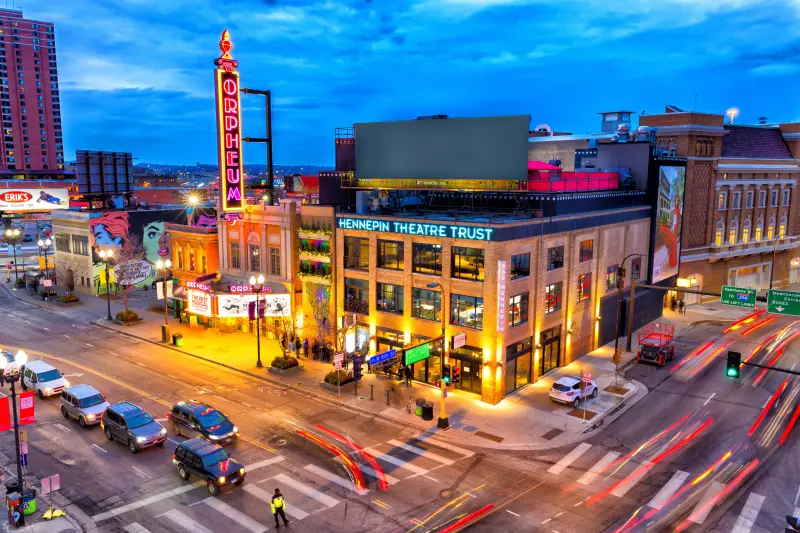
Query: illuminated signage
501,296
33,199
233,305
196,285
199,303
418,353
229,129
241,289
475,233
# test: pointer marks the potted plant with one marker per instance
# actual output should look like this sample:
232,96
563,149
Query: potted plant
127,317
334,379
281,365
68,299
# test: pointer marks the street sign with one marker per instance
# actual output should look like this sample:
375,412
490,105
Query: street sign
587,377
338,357
337,365
783,302
459,340
382,357
47,283
738,297
349,321
418,353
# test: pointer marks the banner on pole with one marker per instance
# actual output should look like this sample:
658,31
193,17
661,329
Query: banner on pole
5,414
26,409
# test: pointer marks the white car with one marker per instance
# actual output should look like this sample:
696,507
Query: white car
568,390
43,378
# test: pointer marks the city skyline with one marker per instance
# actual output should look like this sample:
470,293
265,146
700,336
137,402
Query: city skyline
144,81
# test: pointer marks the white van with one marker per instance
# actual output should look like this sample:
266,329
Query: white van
43,378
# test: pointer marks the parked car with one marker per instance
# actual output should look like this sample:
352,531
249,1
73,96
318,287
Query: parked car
132,425
568,390
43,378
83,403
208,461
194,419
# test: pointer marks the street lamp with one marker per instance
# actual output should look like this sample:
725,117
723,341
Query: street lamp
443,423
11,373
620,289
164,267
13,236
257,286
105,257
193,201
44,246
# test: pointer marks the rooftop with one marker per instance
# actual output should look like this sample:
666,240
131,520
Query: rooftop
757,142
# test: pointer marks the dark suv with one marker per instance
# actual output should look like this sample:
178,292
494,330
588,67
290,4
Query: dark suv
132,425
193,419
208,461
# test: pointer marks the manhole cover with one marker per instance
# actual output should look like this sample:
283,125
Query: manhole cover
362,397
446,493
281,442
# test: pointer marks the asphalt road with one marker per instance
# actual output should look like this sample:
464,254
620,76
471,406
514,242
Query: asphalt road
587,487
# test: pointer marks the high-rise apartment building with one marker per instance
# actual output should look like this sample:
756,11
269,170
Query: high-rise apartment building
31,106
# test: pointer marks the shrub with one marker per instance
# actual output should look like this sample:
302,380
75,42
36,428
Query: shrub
284,362
127,316
67,298
48,292
332,377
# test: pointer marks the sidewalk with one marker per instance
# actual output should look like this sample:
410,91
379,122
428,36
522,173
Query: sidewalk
525,420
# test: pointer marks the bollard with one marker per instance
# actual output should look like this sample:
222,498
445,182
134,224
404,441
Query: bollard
387,396
372,392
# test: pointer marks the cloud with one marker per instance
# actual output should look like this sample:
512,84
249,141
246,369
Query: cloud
776,69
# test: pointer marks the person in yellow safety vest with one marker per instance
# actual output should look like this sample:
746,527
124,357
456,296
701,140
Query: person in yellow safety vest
278,505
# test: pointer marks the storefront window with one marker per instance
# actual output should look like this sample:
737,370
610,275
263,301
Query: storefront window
390,298
467,263
390,255
584,287
555,258
236,256
518,365
518,309
520,265
356,296
356,253
427,258
426,304
466,311
552,298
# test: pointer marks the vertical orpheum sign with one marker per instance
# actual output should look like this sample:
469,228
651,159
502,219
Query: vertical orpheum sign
501,296
229,129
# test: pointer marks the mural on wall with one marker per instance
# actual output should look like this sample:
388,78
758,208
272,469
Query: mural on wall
131,235
320,304
667,250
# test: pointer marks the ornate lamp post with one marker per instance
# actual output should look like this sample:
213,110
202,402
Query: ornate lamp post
257,286
11,372
105,257
13,237
443,422
44,247
163,267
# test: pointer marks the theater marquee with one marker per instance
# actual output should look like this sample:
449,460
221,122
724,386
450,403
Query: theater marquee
425,229
229,129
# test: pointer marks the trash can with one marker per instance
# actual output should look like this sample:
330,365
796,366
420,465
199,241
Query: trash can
29,502
420,403
427,411
177,339
12,486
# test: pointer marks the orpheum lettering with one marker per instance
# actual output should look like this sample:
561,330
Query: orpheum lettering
229,122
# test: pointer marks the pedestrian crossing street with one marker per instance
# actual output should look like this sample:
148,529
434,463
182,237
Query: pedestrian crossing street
304,496
595,471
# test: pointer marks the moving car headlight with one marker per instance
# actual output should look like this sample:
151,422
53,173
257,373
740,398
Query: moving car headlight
214,437
221,480
140,439
235,429
163,431
241,471
66,384
90,417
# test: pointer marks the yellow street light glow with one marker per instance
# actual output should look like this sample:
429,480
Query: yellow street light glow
732,114
193,199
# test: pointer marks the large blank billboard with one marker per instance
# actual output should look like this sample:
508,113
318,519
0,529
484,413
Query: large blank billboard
486,148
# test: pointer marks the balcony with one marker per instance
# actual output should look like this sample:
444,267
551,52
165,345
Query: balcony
356,306
315,271
315,250
312,233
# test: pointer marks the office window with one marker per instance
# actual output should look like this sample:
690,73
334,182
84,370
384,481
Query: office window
552,298
390,255
611,277
62,243
518,309
255,257
80,245
732,235
520,265
274,261
737,200
584,287
762,198
722,201
356,253
467,263
745,234
770,232
426,304
748,199
773,199
356,296
786,197
466,311
426,258
757,233
236,256
586,252
179,258
555,258
782,230
390,298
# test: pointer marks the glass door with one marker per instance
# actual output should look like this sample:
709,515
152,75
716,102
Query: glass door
551,348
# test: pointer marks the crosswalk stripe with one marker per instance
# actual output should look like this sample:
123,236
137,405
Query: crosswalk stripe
701,510
422,437
339,480
568,459
266,497
666,492
397,462
183,521
265,462
796,512
748,516
147,501
324,499
633,478
421,452
598,468
136,527
235,515
391,480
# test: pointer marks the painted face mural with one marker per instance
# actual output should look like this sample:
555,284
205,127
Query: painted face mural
110,232
155,242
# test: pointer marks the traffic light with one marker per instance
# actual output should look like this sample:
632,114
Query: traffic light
447,375
794,522
734,363
356,368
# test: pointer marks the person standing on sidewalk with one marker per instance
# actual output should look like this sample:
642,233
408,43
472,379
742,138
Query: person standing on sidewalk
305,347
277,504
680,307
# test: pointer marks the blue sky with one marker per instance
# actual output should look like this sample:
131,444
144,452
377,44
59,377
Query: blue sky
137,75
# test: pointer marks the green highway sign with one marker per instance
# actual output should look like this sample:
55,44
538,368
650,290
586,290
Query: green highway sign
418,353
783,302
738,297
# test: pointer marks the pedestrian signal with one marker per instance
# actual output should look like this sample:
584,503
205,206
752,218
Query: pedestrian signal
734,364
447,375
357,368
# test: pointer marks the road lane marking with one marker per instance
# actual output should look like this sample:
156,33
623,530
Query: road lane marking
142,473
183,521
598,468
246,404
161,419
702,508
559,514
397,462
266,497
666,492
512,512
391,480
709,399
235,515
381,503
324,499
144,502
447,446
797,497
421,452
333,478
796,512
89,345
546,521
262,464
136,527
173,441
46,329
96,447
580,502
171,376
633,478
568,459
765,403
748,516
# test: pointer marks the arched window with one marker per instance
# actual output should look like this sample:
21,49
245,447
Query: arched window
759,229
719,235
746,231
771,228
733,230
782,228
